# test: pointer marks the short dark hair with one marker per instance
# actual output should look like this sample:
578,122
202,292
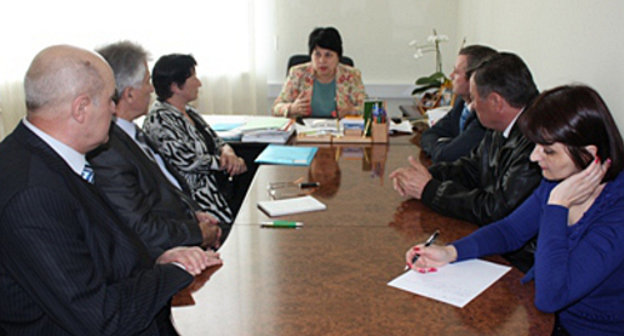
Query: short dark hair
169,69
475,56
576,116
327,38
507,75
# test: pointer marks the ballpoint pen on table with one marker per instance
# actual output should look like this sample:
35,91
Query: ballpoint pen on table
301,185
428,243
282,224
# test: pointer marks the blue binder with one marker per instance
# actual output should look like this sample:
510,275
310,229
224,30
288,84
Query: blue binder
287,155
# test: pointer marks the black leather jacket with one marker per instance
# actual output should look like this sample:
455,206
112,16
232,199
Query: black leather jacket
489,183
444,142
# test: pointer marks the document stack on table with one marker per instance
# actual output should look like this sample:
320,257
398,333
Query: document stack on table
347,130
268,130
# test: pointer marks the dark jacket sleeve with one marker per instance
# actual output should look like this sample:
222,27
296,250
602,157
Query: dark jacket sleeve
444,143
444,129
46,250
488,184
162,221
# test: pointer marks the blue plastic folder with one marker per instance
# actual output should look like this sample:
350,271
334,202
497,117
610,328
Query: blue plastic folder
287,155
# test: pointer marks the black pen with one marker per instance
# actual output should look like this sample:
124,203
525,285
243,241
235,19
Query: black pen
428,243
305,185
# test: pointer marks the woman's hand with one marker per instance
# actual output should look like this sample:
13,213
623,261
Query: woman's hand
349,109
430,257
301,106
231,163
579,187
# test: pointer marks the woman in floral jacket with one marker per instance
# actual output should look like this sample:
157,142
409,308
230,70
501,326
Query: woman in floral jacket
322,87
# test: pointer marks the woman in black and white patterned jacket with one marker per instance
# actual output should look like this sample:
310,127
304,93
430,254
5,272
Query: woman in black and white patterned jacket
185,140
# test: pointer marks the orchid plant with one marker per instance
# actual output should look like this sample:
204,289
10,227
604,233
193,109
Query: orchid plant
432,45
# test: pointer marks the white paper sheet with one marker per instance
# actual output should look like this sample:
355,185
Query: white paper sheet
291,206
455,284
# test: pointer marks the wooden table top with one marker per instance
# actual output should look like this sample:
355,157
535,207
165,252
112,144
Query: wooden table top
330,277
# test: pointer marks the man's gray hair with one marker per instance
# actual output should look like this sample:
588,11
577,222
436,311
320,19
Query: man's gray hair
127,60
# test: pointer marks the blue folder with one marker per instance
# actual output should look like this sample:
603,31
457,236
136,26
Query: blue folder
287,155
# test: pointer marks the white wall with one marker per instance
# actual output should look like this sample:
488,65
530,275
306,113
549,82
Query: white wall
375,34
562,41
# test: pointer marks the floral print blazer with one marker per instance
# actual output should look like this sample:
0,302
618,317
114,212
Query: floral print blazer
349,88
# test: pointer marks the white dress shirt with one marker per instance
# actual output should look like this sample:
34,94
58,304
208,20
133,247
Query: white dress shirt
76,161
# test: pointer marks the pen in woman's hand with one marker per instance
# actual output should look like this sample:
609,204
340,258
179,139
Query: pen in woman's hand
428,243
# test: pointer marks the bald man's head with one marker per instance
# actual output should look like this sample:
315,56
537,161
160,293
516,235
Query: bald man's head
69,95
60,73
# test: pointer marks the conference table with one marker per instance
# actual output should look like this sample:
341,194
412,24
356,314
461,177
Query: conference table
330,276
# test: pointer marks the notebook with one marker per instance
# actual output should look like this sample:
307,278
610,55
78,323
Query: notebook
287,155
291,206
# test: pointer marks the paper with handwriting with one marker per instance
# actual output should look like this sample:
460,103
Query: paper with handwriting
456,284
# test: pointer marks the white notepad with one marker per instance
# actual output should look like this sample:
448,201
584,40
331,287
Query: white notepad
456,284
291,206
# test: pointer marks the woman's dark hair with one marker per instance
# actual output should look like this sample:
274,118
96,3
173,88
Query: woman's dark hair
327,38
576,116
169,69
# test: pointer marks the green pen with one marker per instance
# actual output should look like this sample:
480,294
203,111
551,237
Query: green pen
282,224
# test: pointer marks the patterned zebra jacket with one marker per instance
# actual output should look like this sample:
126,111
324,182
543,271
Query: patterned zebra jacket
193,151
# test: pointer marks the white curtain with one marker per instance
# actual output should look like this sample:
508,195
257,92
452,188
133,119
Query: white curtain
225,37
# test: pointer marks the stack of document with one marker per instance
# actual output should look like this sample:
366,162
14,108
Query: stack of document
317,127
267,130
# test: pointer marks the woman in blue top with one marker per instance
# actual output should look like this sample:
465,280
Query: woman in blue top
577,213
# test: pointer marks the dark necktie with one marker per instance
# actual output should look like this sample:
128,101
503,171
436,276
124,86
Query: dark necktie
141,138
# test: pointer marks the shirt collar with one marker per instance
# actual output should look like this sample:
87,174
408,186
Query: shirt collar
511,124
127,126
73,158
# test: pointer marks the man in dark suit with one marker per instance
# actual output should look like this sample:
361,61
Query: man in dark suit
459,131
498,176
151,198
68,265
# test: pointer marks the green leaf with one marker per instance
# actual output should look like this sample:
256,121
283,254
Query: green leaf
437,78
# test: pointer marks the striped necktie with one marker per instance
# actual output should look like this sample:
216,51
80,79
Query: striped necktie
463,117
87,173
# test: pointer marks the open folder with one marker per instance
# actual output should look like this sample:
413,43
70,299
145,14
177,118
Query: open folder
287,155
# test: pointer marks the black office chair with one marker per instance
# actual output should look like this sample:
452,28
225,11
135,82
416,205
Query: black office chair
299,59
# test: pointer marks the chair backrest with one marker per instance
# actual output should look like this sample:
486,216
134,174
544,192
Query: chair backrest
301,58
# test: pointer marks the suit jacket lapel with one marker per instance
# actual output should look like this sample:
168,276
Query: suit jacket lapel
107,217
138,153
